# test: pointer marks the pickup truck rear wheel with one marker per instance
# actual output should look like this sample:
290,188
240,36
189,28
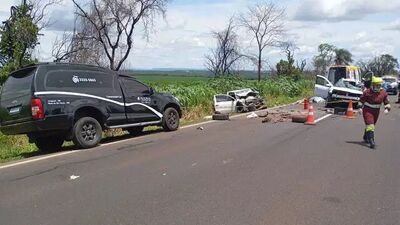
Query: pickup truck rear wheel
49,144
87,132
170,120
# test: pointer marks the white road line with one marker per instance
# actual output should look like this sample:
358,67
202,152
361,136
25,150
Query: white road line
37,159
322,118
122,141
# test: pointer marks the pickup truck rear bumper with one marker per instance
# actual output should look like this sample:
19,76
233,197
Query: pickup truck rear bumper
49,124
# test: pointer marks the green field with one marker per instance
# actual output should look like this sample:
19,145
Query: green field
196,96
168,78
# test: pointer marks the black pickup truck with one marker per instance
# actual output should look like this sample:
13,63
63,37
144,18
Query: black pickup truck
54,102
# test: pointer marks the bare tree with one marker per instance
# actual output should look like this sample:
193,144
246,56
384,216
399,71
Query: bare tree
39,11
302,65
67,47
114,22
78,46
223,59
287,67
265,22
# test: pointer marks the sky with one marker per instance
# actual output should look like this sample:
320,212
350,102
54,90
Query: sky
366,28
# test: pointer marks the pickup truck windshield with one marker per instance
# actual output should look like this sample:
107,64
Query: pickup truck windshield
346,84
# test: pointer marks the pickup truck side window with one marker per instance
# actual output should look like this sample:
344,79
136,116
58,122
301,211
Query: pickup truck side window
134,87
223,98
321,81
78,80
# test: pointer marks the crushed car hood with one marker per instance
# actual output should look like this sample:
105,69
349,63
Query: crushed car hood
243,92
349,90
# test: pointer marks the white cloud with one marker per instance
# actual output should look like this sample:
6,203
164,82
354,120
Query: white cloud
186,38
395,25
343,10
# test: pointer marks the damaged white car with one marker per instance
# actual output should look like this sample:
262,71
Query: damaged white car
244,100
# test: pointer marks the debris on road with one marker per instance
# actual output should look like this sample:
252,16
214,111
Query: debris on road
263,115
299,118
266,120
200,128
73,177
276,117
317,99
328,110
220,117
252,116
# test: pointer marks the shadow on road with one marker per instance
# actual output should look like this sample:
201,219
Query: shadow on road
361,143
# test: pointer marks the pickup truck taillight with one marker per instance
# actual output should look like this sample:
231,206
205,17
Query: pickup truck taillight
37,109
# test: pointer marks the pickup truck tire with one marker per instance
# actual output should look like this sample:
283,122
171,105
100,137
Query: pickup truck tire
49,144
170,120
87,132
135,130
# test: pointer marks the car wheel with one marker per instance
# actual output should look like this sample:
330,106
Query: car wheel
170,120
135,130
49,144
87,132
240,108
252,108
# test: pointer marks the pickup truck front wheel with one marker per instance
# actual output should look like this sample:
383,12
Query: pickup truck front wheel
49,144
87,132
170,120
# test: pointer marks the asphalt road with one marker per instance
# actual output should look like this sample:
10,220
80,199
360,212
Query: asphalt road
237,172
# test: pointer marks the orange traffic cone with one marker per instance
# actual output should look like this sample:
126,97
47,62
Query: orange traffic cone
306,104
310,117
350,113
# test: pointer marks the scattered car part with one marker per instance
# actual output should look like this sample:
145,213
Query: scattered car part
299,118
220,117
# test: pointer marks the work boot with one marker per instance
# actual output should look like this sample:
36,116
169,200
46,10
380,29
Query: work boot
371,139
365,138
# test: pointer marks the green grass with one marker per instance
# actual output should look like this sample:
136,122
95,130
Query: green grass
168,78
14,148
196,96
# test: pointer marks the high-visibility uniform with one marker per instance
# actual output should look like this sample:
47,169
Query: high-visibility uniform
372,104
372,100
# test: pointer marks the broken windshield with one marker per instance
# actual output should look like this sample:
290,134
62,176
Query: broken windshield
346,84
